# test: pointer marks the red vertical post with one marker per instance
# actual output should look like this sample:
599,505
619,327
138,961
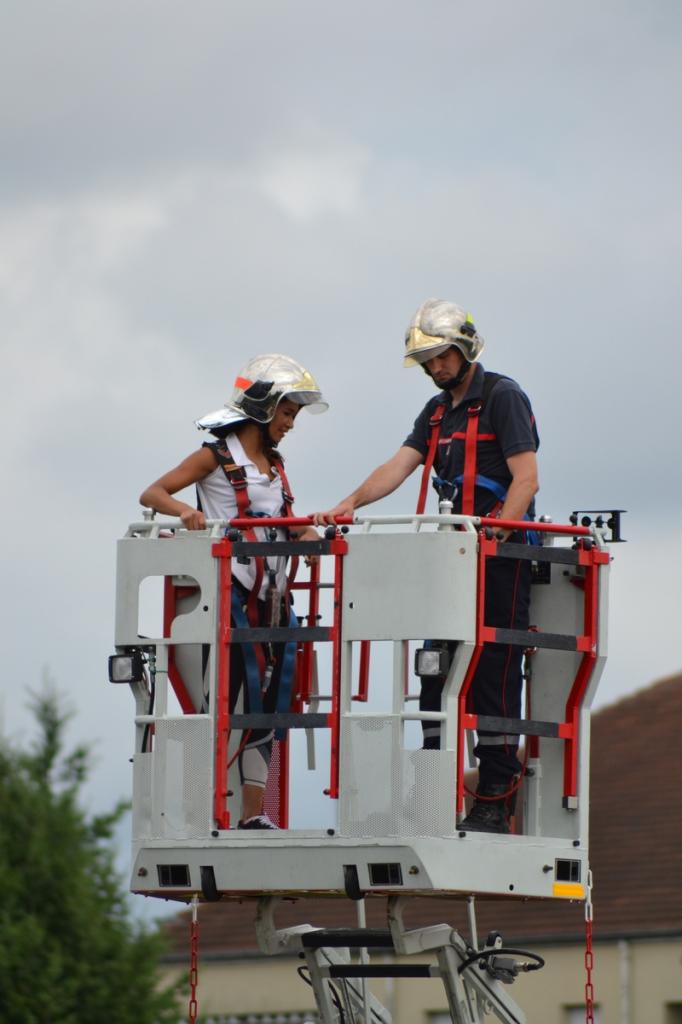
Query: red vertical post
338,549
486,548
591,559
284,782
532,742
223,552
306,685
168,607
171,593
363,672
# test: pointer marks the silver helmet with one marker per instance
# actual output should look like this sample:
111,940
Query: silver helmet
260,386
436,326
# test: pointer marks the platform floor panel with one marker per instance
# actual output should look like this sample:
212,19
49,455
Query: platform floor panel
315,863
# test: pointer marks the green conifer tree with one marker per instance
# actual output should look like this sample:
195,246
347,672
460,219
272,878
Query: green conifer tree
70,952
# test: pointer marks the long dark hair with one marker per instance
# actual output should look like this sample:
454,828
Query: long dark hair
270,449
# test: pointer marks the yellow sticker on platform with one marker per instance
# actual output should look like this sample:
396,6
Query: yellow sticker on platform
569,890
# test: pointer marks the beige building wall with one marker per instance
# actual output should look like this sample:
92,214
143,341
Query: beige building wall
637,982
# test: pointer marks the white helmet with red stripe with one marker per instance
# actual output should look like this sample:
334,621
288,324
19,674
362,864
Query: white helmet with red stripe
260,386
436,326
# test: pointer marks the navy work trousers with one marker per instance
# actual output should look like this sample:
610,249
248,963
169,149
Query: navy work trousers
497,683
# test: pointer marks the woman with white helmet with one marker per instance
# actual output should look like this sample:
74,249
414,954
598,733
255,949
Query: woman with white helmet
242,470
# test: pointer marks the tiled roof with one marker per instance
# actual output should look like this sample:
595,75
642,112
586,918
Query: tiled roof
636,850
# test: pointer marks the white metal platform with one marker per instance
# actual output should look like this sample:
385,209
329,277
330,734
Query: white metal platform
392,582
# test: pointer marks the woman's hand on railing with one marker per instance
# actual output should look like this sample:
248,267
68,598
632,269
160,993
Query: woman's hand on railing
309,533
193,519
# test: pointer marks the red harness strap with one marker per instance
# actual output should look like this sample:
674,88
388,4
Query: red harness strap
471,439
287,496
469,474
236,476
434,423
459,435
237,479
287,510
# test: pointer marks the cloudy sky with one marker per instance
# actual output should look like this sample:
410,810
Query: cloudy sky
185,185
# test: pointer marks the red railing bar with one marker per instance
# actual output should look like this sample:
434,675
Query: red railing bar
503,524
250,521
531,524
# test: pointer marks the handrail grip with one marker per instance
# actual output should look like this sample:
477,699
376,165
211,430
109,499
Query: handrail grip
469,522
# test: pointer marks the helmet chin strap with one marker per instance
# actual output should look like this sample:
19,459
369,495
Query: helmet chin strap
453,382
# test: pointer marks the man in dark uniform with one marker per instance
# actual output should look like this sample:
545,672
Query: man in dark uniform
442,339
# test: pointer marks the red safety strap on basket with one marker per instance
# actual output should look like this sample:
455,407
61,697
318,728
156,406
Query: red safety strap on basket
434,423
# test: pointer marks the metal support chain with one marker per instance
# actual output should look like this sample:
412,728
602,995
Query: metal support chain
193,962
589,955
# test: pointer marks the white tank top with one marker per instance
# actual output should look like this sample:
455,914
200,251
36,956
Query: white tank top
218,501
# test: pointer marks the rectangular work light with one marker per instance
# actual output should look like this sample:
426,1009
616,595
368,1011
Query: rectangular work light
430,661
126,668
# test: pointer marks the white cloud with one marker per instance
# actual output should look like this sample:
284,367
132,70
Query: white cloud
71,356
308,183
75,237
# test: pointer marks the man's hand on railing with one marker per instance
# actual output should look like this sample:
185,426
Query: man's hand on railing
344,508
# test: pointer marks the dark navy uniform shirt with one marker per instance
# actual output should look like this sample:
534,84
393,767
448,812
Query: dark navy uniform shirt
507,420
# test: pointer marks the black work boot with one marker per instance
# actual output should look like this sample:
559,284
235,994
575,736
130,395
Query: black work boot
490,812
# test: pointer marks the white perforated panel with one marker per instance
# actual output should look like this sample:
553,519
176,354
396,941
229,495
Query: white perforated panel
390,791
181,787
142,796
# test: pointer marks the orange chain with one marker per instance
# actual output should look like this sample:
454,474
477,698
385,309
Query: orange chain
589,955
193,962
